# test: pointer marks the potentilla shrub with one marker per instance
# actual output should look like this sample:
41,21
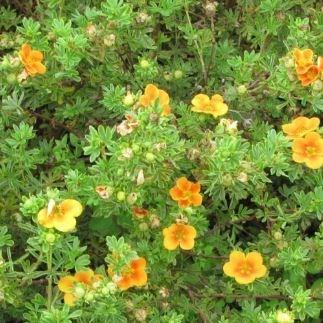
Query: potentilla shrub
161,161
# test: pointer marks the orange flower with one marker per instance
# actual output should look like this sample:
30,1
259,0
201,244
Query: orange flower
309,150
245,268
140,212
67,284
300,127
31,59
215,106
320,63
303,60
132,275
179,234
309,76
186,193
61,216
152,94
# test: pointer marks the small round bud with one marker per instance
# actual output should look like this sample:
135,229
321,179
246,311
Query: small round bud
284,316
50,238
11,78
132,198
135,148
120,171
121,196
289,63
242,89
164,292
227,180
143,226
273,262
89,296
168,76
150,157
317,86
144,63
79,291
178,74
278,235
129,99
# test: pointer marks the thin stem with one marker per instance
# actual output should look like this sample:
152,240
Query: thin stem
10,259
50,278
198,49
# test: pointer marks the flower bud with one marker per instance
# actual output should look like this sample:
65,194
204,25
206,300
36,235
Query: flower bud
273,262
132,198
317,86
289,63
150,157
168,76
144,63
121,196
50,237
178,74
129,99
143,226
284,316
242,89
79,291
278,235
11,78
227,180
89,296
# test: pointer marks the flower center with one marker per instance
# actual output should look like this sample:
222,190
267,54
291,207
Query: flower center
245,269
311,151
180,234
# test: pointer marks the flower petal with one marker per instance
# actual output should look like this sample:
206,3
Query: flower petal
85,277
184,184
65,284
71,208
176,193
69,299
196,199
187,243
64,223
45,220
200,101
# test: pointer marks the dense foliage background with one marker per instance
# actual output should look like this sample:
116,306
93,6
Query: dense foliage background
78,132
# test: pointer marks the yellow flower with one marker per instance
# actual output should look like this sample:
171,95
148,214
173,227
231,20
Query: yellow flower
245,268
303,59
61,216
151,95
300,127
215,106
309,150
67,284
32,60
179,234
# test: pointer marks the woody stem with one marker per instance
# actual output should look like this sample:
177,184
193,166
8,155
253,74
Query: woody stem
49,279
